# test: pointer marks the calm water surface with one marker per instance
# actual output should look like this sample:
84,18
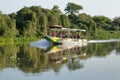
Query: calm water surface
93,61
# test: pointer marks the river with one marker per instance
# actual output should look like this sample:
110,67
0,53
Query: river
96,60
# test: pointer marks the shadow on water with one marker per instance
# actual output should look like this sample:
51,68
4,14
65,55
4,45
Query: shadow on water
40,56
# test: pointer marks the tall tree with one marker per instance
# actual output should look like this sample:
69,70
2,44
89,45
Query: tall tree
7,26
56,10
86,22
0,12
36,9
116,23
26,22
73,8
65,21
43,21
57,13
12,16
102,22
52,19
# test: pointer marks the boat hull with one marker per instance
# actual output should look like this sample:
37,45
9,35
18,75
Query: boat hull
67,41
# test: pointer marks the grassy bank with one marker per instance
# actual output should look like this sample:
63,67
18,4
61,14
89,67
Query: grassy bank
101,34
91,35
18,40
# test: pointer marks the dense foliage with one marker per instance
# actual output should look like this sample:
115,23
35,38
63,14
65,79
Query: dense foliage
32,21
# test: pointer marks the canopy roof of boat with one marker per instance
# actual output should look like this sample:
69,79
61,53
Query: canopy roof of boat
60,28
68,29
55,27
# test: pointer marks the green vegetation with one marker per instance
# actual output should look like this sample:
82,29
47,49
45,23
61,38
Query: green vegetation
32,21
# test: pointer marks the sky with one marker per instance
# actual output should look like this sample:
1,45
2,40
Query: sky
108,8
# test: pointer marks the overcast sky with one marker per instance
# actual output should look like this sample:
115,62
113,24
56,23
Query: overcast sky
108,8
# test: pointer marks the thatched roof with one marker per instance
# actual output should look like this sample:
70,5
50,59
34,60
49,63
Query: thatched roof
55,26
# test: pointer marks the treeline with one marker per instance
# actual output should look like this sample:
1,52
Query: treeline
32,21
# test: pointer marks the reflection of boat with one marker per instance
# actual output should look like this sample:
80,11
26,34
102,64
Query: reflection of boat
60,53
59,35
56,48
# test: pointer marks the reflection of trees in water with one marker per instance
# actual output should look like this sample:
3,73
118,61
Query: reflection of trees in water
102,49
117,47
34,60
8,56
74,64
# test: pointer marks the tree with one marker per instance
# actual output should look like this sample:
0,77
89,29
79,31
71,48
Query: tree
36,9
43,21
12,16
65,21
26,22
102,22
72,18
7,26
116,23
52,19
0,12
86,22
73,8
56,10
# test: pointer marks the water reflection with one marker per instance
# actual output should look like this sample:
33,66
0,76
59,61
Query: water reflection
30,59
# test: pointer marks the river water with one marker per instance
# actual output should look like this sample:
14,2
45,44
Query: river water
96,60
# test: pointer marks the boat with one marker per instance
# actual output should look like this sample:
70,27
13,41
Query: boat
59,35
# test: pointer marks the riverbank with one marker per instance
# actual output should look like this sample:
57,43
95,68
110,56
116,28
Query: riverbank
17,40
99,35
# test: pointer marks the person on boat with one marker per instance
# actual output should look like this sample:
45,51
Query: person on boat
78,36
